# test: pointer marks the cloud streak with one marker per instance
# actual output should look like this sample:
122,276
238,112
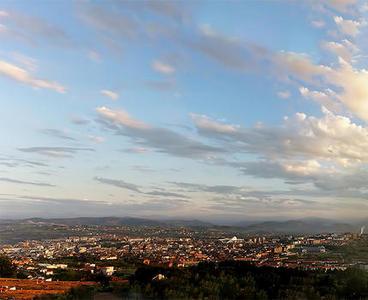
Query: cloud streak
33,30
60,134
21,75
22,182
161,193
119,184
55,151
163,68
161,139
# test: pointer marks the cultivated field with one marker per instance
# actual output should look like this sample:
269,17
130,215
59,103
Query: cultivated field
26,289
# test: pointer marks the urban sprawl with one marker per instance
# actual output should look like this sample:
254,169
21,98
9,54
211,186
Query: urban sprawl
98,252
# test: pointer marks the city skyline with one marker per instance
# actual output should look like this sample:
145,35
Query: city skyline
226,110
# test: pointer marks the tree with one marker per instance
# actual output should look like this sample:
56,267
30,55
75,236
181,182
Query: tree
7,269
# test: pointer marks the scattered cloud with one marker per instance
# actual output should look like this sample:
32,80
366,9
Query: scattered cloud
23,76
162,67
55,151
138,189
329,181
32,205
119,184
205,123
60,134
161,139
299,66
120,117
27,62
166,194
34,30
138,150
173,10
143,169
348,27
96,139
331,137
315,156
297,172
229,197
318,23
79,120
327,98
15,162
16,181
283,94
345,49
340,5
217,189
364,8
120,22
228,51
110,94
115,23
167,85
353,90
327,153
346,83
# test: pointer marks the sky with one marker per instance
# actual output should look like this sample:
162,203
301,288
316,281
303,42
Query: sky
212,110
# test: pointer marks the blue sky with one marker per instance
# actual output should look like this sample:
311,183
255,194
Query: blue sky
217,110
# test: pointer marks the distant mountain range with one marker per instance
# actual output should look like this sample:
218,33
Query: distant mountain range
112,221
301,226
289,226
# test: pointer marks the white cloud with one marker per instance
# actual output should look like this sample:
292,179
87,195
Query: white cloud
121,117
110,94
23,76
364,7
348,27
318,23
283,94
55,151
297,172
28,62
163,68
205,123
299,66
331,138
354,94
346,84
305,168
340,5
345,49
330,152
327,98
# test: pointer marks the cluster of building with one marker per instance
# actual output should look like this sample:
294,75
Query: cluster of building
102,252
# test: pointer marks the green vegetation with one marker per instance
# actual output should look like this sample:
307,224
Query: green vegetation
71,261
355,251
8,270
6,267
239,280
